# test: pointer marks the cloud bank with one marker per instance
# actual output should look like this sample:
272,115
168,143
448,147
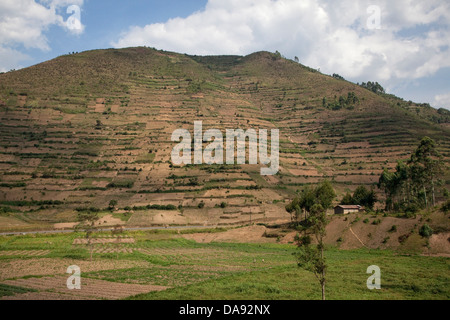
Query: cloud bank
410,39
23,24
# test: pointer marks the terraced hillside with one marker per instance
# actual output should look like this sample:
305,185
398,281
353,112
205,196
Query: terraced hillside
81,130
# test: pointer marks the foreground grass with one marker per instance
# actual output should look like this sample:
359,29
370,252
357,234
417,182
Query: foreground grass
403,277
221,271
7,290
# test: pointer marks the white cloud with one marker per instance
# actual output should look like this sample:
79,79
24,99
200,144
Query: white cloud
413,40
442,101
11,59
24,23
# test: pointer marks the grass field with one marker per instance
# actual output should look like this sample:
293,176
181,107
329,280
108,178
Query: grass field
184,269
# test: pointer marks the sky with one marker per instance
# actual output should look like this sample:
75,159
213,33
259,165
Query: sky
403,44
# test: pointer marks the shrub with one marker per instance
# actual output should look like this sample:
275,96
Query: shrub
446,206
403,238
201,205
303,240
376,222
426,231
121,184
411,209
5,211
112,204
393,228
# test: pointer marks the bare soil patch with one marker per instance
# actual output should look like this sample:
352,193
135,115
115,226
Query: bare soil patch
103,250
90,288
104,240
440,244
305,172
41,296
109,220
246,234
27,253
17,268
8,222
65,225
158,217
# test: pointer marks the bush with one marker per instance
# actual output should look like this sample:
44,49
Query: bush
302,240
376,222
201,205
393,229
412,209
121,184
426,231
446,206
404,237
5,211
112,203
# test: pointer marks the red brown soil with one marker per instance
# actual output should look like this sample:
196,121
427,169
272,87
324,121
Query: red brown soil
250,234
90,289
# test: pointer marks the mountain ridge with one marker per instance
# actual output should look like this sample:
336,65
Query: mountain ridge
91,127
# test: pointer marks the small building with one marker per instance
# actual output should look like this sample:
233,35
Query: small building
346,209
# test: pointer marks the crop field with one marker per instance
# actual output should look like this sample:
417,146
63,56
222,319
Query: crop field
167,264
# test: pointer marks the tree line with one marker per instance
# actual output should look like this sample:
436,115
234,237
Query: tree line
412,186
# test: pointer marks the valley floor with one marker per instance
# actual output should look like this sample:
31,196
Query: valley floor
206,264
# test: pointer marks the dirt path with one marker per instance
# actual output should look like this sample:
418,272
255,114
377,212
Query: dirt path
351,230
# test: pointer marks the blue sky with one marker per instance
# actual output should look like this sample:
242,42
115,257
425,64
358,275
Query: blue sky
103,21
402,44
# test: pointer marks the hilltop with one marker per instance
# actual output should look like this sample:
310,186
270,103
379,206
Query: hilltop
82,130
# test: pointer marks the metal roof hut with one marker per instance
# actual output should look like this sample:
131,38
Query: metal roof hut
346,209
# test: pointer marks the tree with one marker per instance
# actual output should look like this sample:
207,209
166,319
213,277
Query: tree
337,76
323,194
412,185
302,203
427,163
309,257
87,221
347,199
426,231
388,183
112,204
314,201
276,56
371,199
375,87
363,197
360,195
296,59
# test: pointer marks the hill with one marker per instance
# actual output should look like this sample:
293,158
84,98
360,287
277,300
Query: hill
84,129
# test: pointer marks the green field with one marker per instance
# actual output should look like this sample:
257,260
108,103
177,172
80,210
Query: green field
216,271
